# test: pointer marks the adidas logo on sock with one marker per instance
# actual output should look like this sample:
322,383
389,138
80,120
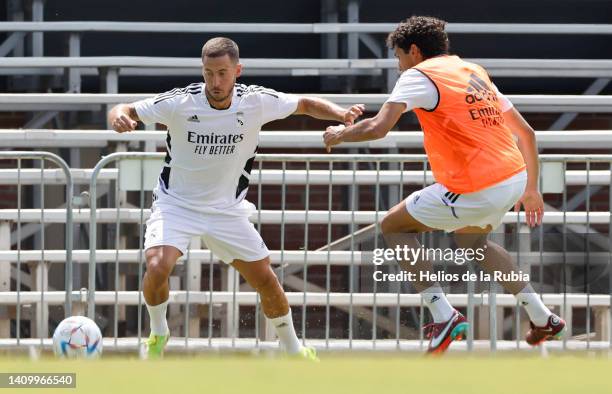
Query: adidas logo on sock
282,325
524,303
434,299
193,118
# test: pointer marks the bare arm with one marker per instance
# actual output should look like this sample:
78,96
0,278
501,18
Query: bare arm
531,199
526,143
366,130
324,109
123,117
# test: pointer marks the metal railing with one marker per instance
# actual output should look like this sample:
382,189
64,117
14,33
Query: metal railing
161,66
550,103
40,272
326,272
356,304
296,28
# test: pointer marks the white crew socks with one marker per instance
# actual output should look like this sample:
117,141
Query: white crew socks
286,333
537,311
437,303
157,314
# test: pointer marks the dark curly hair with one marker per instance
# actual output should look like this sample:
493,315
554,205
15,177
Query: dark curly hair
426,32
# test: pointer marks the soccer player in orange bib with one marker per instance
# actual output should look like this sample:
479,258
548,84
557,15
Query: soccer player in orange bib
480,171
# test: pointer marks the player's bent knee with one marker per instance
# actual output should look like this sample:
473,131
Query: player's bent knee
157,271
159,265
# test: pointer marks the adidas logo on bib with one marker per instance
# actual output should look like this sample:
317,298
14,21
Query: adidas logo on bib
193,118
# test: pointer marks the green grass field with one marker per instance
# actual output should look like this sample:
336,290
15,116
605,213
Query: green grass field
360,373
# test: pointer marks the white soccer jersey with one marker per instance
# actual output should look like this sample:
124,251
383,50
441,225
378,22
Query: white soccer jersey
210,152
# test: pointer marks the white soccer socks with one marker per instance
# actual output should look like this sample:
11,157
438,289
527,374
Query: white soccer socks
283,325
157,314
437,303
286,333
537,311
441,309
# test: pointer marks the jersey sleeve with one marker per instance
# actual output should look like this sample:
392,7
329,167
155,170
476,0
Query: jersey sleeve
276,105
158,109
505,103
414,90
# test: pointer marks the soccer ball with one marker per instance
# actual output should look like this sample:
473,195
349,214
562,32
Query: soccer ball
77,337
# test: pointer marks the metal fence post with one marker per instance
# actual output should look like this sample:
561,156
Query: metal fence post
5,278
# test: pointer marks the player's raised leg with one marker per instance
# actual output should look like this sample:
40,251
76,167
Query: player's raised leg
399,228
545,325
160,262
261,277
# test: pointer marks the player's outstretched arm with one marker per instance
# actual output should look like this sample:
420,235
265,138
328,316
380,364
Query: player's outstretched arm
323,109
532,199
123,117
366,130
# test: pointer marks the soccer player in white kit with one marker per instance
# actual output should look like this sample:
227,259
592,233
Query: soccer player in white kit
213,132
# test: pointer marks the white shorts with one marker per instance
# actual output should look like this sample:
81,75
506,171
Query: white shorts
227,237
436,207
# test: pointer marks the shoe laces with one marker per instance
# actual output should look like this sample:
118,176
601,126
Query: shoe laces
432,329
